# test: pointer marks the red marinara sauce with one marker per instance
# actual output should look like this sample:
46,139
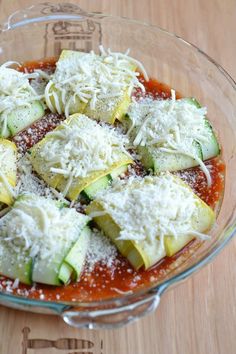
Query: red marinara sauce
106,282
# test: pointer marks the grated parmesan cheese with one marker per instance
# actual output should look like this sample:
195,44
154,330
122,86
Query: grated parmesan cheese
100,250
29,183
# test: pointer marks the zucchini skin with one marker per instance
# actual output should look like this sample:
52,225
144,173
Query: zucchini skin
163,161
213,149
90,192
75,259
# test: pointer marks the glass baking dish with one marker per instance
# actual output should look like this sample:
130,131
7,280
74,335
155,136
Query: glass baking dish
43,31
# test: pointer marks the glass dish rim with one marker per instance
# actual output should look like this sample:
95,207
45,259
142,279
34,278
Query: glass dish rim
165,284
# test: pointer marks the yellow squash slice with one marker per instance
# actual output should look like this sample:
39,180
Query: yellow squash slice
145,251
53,95
77,86
139,254
7,170
86,135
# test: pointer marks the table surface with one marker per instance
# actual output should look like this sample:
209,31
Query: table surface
199,316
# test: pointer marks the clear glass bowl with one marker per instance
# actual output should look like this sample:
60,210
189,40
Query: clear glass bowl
42,31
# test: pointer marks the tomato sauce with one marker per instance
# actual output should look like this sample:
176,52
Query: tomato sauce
47,64
107,282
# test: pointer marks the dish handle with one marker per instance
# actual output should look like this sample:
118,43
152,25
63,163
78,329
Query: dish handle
42,12
111,317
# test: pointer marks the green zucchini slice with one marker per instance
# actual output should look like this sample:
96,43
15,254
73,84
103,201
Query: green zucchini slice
211,148
170,135
20,103
38,236
74,260
91,191
164,161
